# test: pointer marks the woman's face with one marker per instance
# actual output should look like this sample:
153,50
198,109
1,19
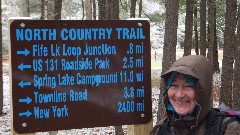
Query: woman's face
181,95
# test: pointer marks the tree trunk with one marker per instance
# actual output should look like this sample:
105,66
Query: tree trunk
212,47
118,130
188,27
215,46
203,27
94,10
140,9
88,9
236,82
211,36
208,26
169,49
50,10
133,8
115,10
42,10
58,9
109,10
195,29
83,9
101,9
228,53
1,78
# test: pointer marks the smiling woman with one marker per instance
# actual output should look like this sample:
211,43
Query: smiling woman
187,101
181,94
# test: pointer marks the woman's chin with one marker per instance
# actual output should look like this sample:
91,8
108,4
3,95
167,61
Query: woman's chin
182,111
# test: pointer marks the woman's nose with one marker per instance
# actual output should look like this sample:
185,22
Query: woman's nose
180,93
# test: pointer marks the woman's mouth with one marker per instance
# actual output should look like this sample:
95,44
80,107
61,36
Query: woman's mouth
181,102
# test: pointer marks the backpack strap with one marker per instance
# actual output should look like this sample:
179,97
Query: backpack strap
194,129
214,122
164,129
232,119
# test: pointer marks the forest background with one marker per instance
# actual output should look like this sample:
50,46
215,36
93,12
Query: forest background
206,27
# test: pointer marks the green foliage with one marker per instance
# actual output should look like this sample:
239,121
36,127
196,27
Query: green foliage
182,6
157,17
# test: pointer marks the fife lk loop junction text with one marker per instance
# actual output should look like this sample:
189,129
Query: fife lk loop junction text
71,50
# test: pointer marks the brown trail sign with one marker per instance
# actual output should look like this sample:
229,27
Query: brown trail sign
79,74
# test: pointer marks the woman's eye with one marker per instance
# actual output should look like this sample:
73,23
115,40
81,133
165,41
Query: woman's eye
189,86
174,85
